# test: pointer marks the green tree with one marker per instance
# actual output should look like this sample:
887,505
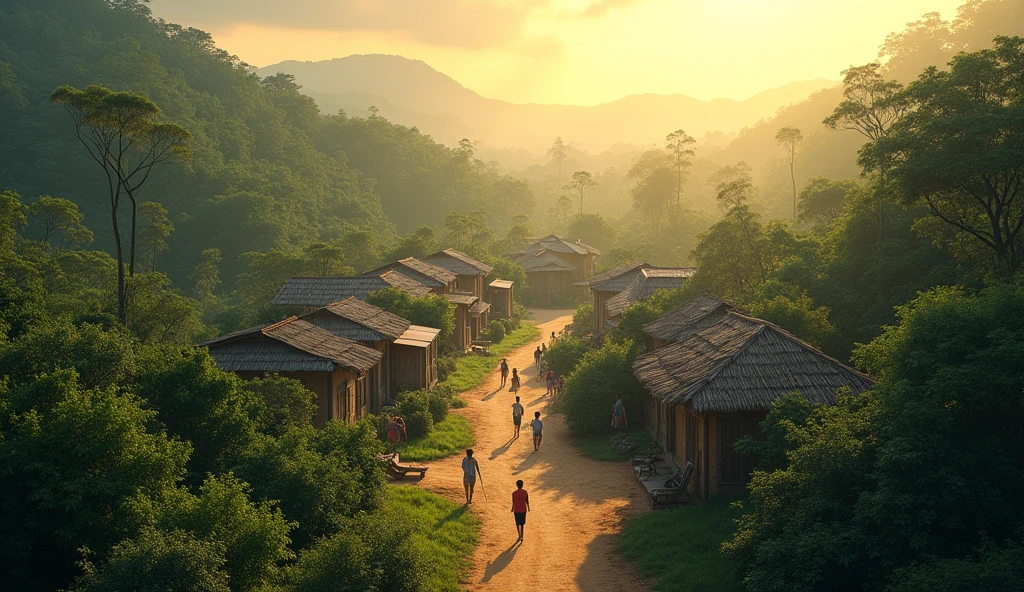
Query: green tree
565,354
12,217
58,214
789,137
591,389
206,276
679,145
285,402
431,310
562,211
960,150
156,227
324,260
581,181
655,184
592,229
122,134
821,200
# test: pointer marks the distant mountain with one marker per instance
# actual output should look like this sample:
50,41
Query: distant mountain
412,93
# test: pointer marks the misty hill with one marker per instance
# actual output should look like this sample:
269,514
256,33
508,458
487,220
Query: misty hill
412,93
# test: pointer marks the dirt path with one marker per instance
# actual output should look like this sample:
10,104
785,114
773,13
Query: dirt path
577,505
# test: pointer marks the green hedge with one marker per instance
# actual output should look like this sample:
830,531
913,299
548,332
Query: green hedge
591,389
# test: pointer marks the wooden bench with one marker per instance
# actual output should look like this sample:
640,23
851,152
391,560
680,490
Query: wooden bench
665,492
398,470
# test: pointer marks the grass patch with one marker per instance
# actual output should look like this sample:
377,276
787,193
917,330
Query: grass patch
445,533
471,371
602,446
682,547
451,435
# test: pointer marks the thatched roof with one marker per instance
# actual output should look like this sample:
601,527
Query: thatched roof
479,307
743,364
291,345
355,319
321,291
545,261
463,298
646,283
553,242
689,317
458,262
424,273
618,278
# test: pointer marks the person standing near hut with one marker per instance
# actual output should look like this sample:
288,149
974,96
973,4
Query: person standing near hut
503,368
538,430
517,416
515,381
520,506
619,414
470,468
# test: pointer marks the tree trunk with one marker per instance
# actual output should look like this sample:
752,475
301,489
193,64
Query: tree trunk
131,253
122,295
792,176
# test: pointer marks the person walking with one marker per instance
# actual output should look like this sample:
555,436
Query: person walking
619,414
470,468
516,384
517,416
520,506
538,430
536,356
550,378
560,385
503,368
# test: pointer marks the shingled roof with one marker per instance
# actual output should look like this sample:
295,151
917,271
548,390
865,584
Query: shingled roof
646,283
424,273
355,319
545,261
458,262
743,364
689,317
618,278
553,242
291,345
465,298
321,291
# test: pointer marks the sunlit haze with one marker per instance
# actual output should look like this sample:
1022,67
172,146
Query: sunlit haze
570,51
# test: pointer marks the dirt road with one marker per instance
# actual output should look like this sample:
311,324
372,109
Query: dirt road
577,505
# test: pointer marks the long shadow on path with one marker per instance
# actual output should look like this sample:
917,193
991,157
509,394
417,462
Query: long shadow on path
501,449
500,562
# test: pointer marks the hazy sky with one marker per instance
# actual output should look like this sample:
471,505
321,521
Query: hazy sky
570,51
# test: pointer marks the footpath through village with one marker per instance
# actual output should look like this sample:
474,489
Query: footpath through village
577,505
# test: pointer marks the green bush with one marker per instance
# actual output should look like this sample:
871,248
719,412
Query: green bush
565,354
634,443
590,391
418,424
583,319
496,331
434,403
445,366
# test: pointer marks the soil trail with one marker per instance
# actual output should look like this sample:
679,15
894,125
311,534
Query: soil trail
577,505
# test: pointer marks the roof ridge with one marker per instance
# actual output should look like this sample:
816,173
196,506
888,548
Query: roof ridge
729,359
278,325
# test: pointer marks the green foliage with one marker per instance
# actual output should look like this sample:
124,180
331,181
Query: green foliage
158,314
680,547
58,215
583,320
446,366
199,403
617,447
159,561
431,310
101,357
505,269
471,371
821,200
434,404
452,435
284,402
565,354
495,331
591,389
797,315
73,461
993,568
788,413
319,476
592,229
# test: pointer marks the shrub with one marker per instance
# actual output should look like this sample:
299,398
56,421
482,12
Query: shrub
418,424
445,366
590,391
496,331
564,354
583,319
435,403
638,443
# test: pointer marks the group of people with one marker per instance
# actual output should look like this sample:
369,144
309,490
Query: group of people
520,498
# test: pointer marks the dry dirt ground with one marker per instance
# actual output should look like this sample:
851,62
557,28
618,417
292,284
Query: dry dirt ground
577,505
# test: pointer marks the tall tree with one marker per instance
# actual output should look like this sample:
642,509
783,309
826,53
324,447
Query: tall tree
679,145
581,180
558,152
871,104
123,136
156,227
206,276
561,211
789,137
960,149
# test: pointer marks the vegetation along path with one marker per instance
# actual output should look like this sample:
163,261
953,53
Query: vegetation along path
578,505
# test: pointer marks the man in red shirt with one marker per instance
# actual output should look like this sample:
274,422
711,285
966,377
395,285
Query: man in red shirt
520,506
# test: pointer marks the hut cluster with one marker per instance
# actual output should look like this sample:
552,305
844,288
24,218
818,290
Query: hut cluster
355,356
712,377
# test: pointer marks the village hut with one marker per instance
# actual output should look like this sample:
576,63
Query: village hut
609,283
438,279
715,386
686,319
556,267
468,271
499,296
371,326
332,367
414,364
464,303
644,285
314,292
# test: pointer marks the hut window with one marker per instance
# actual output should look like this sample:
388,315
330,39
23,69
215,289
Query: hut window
735,467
